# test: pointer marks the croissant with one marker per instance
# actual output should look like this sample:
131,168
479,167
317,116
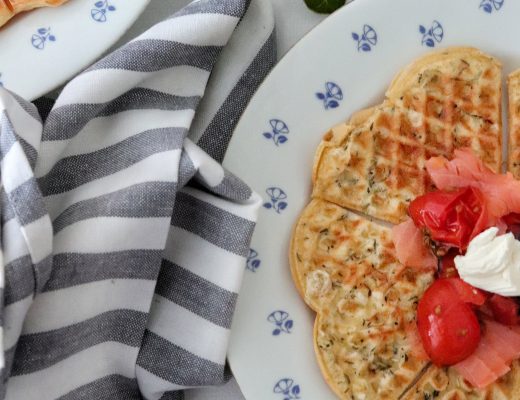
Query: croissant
9,8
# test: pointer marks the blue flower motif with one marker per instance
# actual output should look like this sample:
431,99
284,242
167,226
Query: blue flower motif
281,321
287,388
43,35
252,261
433,35
279,130
367,39
490,5
99,13
332,96
276,196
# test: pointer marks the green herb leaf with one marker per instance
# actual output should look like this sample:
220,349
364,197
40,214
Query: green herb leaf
324,6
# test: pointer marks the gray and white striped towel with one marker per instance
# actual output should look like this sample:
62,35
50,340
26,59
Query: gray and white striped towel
123,242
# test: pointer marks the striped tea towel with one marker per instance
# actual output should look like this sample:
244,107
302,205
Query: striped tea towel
123,242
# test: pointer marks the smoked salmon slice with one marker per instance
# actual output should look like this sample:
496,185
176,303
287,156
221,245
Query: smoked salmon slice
498,346
410,248
502,191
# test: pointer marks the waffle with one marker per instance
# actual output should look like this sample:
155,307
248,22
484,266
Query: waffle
345,270
9,8
344,265
446,384
6,13
513,89
375,163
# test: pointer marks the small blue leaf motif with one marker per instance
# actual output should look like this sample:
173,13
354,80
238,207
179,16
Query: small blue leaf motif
367,40
489,6
39,39
280,319
276,197
253,262
433,35
279,130
287,388
282,139
429,42
99,13
332,96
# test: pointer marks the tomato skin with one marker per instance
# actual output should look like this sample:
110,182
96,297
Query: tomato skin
448,326
504,309
452,218
467,293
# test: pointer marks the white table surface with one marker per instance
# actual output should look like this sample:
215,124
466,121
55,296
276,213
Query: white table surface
293,21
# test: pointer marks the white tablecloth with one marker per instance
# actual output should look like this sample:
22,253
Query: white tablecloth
293,21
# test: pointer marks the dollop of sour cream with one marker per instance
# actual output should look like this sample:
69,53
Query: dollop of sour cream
492,263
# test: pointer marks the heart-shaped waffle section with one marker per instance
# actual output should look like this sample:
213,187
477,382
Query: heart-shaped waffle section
344,264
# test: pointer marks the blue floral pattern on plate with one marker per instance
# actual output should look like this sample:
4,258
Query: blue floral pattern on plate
287,388
433,35
490,5
40,38
276,199
99,13
253,262
332,96
280,319
279,131
367,40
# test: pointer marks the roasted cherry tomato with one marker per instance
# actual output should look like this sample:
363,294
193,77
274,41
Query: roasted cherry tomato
448,326
504,309
452,218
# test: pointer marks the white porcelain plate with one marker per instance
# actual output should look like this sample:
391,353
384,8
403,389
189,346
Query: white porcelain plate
42,49
343,65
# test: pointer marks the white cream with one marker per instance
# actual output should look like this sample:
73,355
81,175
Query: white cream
492,263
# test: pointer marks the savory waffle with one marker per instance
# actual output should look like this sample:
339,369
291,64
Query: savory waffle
443,101
446,384
345,269
344,265
513,89
9,8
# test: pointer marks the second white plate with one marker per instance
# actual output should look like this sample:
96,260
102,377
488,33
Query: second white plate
42,49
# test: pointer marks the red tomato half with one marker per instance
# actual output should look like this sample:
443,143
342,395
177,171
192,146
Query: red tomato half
452,218
448,326
504,309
